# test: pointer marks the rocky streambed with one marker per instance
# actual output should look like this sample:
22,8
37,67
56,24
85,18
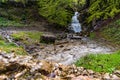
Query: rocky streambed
14,67
69,51
65,51
54,61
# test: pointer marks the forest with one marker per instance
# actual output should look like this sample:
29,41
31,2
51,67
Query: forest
59,39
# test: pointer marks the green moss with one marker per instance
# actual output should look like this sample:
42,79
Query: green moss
100,62
11,47
27,37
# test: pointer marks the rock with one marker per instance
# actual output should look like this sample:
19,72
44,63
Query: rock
80,69
91,72
71,75
48,38
114,77
82,78
117,72
47,66
3,77
52,75
20,74
85,73
106,76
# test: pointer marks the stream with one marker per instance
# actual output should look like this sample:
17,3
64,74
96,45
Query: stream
69,52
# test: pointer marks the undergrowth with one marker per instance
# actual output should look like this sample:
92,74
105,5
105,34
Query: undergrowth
112,32
8,23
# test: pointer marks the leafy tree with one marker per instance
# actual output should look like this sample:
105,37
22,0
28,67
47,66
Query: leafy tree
56,11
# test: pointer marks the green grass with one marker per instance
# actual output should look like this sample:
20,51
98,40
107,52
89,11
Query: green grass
11,47
7,23
100,62
27,37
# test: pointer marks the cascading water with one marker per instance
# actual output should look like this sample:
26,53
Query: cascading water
75,25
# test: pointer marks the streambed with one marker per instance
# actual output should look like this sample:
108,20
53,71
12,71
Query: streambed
69,52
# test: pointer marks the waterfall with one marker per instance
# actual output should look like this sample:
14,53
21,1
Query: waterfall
75,25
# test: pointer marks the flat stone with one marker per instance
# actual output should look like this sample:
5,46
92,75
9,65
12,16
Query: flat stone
82,78
117,72
114,77
90,72
106,76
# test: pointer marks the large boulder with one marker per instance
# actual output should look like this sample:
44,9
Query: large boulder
47,38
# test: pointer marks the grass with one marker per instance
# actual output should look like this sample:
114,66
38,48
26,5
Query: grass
100,62
7,23
11,47
27,37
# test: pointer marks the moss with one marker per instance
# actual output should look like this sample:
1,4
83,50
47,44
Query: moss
11,47
27,37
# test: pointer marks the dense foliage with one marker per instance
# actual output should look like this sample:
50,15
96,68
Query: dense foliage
61,11
23,1
103,9
55,10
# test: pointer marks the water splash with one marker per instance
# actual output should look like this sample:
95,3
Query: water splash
75,25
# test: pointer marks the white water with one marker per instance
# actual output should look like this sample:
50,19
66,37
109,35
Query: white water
75,25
